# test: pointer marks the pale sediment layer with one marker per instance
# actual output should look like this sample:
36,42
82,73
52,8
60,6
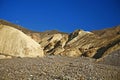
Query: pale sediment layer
15,43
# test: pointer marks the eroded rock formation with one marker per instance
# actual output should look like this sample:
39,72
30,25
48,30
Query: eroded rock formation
14,43
95,44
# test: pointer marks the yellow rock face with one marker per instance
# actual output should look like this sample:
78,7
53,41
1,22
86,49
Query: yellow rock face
15,43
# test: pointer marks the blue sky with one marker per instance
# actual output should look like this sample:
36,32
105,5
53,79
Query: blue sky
62,15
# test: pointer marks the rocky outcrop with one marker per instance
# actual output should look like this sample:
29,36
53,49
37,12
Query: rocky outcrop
85,43
55,43
90,44
95,44
71,52
15,43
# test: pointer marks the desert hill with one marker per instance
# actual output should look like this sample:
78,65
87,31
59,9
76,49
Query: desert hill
96,44
80,55
109,32
14,43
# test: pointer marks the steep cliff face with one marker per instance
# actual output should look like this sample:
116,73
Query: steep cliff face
54,44
15,43
85,43
95,44
81,43
112,36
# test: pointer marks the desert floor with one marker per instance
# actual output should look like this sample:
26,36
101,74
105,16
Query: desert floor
57,68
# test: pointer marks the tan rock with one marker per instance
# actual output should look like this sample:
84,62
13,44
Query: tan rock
90,52
94,44
5,57
35,36
56,42
15,43
72,52
58,51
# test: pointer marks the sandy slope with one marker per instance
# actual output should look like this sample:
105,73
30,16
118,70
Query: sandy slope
15,43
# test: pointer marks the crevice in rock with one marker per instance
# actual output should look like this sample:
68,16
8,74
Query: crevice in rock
102,50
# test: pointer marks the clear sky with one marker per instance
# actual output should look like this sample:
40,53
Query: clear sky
62,15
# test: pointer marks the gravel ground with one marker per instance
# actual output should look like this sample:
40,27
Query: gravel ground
57,68
112,59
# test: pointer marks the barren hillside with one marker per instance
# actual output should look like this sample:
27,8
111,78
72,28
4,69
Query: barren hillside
80,55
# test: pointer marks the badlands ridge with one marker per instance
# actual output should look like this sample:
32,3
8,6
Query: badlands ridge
16,41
